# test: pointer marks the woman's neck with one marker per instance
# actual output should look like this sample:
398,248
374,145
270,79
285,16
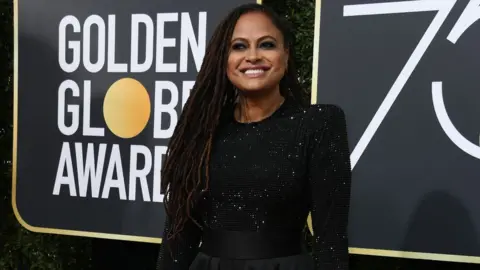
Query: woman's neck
254,108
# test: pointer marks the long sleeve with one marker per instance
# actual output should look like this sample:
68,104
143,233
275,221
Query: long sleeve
330,181
180,255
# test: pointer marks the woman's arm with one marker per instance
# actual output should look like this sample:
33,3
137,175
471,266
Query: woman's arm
179,254
330,181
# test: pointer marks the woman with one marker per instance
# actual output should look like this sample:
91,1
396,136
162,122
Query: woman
250,159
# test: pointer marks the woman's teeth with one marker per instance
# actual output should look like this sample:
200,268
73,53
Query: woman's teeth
254,71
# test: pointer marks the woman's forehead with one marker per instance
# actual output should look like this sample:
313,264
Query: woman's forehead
255,25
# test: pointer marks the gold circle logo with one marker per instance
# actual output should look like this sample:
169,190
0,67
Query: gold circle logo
126,108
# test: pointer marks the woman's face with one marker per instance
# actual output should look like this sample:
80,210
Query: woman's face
258,58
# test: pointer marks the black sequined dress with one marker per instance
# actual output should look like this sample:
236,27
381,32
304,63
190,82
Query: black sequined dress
265,178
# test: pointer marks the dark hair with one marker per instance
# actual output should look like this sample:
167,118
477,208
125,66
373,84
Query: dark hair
185,173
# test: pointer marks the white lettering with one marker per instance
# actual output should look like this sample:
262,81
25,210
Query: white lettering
160,109
90,161
100,24
112,65
89,171
163,42
188,37
135,65
61,179
72,45
88,130
115,164
140,174
95,51
157,167
74,110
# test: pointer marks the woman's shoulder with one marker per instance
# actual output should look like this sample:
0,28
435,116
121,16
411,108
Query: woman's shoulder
316,114
315,119
323,120
322,109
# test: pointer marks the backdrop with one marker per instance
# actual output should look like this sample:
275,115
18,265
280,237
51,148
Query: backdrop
406,74
99,86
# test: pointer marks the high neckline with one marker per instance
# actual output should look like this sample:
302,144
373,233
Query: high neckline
272,115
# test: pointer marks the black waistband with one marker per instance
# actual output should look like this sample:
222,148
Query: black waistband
244,245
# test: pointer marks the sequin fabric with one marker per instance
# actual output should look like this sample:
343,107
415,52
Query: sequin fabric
268,175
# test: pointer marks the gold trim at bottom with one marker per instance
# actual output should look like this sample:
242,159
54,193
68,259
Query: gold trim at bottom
415,255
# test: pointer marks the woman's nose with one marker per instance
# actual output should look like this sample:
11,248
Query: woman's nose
252,55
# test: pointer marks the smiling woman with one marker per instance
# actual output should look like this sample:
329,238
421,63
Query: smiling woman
256,159
257,52
257,62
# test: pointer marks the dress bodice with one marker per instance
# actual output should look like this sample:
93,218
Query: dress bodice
268,175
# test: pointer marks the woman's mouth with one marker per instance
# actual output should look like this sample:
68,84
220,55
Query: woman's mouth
255,72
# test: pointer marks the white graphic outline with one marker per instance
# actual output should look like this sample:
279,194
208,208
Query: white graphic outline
453,134
469,16
443,9
314,99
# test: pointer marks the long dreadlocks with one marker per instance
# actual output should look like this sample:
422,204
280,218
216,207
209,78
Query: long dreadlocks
185,173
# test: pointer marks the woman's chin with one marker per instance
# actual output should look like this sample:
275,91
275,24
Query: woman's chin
254,88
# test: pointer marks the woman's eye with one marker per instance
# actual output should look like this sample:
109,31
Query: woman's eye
238,46
267,45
